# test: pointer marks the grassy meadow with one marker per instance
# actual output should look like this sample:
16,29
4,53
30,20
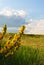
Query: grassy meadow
31,51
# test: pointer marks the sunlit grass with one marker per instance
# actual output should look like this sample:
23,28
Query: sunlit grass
31,51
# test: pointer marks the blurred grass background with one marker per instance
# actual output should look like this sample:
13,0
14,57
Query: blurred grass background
31,51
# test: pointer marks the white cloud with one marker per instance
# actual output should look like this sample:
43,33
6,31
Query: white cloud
6,12
9,12
35,27
21,13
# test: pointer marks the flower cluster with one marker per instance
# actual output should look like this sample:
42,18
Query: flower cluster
12,44
3,32
4,29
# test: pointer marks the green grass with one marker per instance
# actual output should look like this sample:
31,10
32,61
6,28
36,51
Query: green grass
36,41
25,56
31,51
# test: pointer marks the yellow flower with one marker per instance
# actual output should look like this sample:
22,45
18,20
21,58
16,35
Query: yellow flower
9,53
1,51
5,49
12,53
16,47
4,29
22,29
15,42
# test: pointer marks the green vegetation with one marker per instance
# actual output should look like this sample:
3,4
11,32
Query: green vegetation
31,51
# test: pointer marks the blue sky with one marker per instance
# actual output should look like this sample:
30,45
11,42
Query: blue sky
34,7
29,11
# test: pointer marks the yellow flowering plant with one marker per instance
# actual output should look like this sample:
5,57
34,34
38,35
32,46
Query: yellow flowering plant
11,44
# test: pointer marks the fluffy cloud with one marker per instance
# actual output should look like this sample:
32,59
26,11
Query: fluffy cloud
17,19
11,17
9,12
35,27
